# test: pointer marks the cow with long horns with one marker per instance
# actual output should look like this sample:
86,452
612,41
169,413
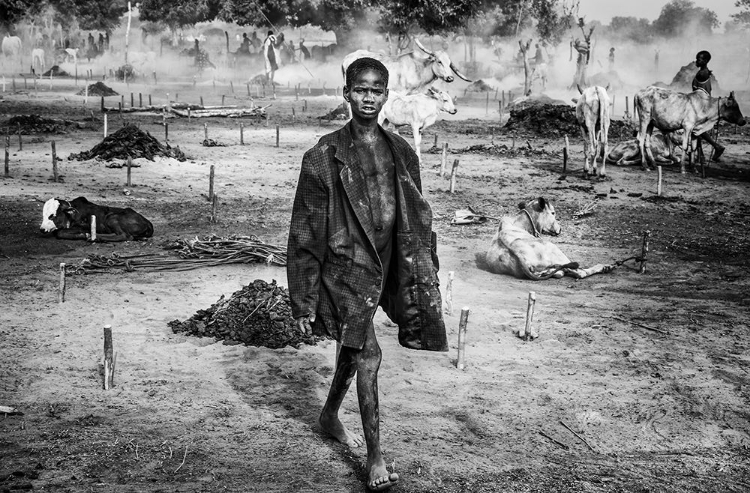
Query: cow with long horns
411,73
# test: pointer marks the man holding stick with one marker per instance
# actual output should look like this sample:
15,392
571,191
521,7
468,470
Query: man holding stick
361,236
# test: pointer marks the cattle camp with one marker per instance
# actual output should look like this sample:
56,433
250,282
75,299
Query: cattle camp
568,187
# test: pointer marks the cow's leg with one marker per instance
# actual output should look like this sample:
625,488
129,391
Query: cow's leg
685,141
649,153
596,269
584,134
417,141
71,234
642,138
605,143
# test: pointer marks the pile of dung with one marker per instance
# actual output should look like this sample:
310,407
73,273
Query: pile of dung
556,121
56,71
683,79
129,141
479,86
341,112
259,314
98,89
35,124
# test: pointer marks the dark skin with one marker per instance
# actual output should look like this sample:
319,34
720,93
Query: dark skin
703,75
366,96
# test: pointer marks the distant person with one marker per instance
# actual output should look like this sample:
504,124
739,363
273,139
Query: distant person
271,55
255,41
656,59
304,52
702,82
538,56
611,58
245,45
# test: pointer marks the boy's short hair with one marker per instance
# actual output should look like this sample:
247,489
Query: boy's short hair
362,64
705,54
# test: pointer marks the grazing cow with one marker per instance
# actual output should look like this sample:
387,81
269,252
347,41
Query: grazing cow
418,110
410,73
37,59
72,221
12,48
517,249
592,113
695,113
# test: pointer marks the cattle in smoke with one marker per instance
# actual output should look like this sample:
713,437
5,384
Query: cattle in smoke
695,113
518,250
592,113
71,220
628,152
37,59
417,110
11,47
411,73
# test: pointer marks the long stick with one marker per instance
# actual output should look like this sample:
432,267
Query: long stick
61,289
54,162
644,251
454,171
666,332
529,316
130,164
578,436
109,365
553,440
444,159
211,183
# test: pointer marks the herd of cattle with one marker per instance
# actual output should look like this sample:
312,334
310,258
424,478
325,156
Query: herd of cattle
517,248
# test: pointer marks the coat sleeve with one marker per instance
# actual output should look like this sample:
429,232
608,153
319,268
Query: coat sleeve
308,236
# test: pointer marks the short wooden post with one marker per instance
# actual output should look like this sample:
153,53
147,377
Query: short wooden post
130,165
85,92
214,201
644,251
627,107
149,100
61,287
54,162
166,133
527,332
500,108
612,111
132,100
444,159
222,99
248,88
105,125
201,101
304,106
277,135
7,159
211,183
242,133
658,182
92,228
231,86
205,131
436,141
461,362
487,105
188,113
454,171
109,360
449,294
102,104
566,153
122,102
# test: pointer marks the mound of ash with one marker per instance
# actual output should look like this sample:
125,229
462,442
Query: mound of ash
259,314
35,124
98,89
549,120
56,71
129,141
479,86
341,112
683,79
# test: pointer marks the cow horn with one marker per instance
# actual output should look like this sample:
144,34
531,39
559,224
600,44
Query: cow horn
579,88
456,71
416,41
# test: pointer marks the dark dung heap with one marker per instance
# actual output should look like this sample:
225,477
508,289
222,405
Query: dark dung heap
129,141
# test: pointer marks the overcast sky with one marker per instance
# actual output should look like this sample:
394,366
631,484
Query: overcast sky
604,10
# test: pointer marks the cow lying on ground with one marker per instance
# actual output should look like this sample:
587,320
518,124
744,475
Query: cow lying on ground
629,152
668,110
592,113
72,221
418,110
517,249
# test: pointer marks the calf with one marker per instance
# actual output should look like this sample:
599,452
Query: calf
418,110
517,249
72,221
592,113
695,113
629,152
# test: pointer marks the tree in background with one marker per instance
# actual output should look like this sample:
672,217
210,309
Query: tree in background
179,13
554,19
631,28
679,17
743,17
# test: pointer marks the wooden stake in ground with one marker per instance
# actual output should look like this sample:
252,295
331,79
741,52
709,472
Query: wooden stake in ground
7,159
149,100
61,288
658,182
213,207
92,228
277,135
461,362
211,183
242,133
527,332
205,131
436,141
444,159
54,162
222,99
109,360
166,133
644,251
130,164
566,153
449,294
105,125
454,171
201,100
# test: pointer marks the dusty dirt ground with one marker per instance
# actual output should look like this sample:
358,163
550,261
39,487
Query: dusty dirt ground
662,410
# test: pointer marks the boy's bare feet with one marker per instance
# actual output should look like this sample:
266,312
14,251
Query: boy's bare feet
334,427
378,479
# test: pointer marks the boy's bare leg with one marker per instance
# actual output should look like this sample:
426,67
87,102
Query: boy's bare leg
346,367
368,363
718,148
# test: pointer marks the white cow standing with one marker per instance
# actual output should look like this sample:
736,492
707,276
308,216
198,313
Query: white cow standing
592,113
417,110
37,59
11,47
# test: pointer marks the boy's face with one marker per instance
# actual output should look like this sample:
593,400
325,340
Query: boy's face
367,94
700,60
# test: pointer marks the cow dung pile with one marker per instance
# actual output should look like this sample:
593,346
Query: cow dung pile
341,112
56,71
129,141
35,124
552,120
259,314
98,89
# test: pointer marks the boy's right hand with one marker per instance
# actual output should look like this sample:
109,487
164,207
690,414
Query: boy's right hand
304,324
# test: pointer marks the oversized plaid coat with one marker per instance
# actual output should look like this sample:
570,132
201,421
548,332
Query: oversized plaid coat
333,268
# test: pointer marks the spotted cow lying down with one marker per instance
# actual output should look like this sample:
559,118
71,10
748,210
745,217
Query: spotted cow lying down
518,250
72,221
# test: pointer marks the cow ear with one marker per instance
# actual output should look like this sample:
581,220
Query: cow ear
731,94
579,88
542,203
607,88
522,205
